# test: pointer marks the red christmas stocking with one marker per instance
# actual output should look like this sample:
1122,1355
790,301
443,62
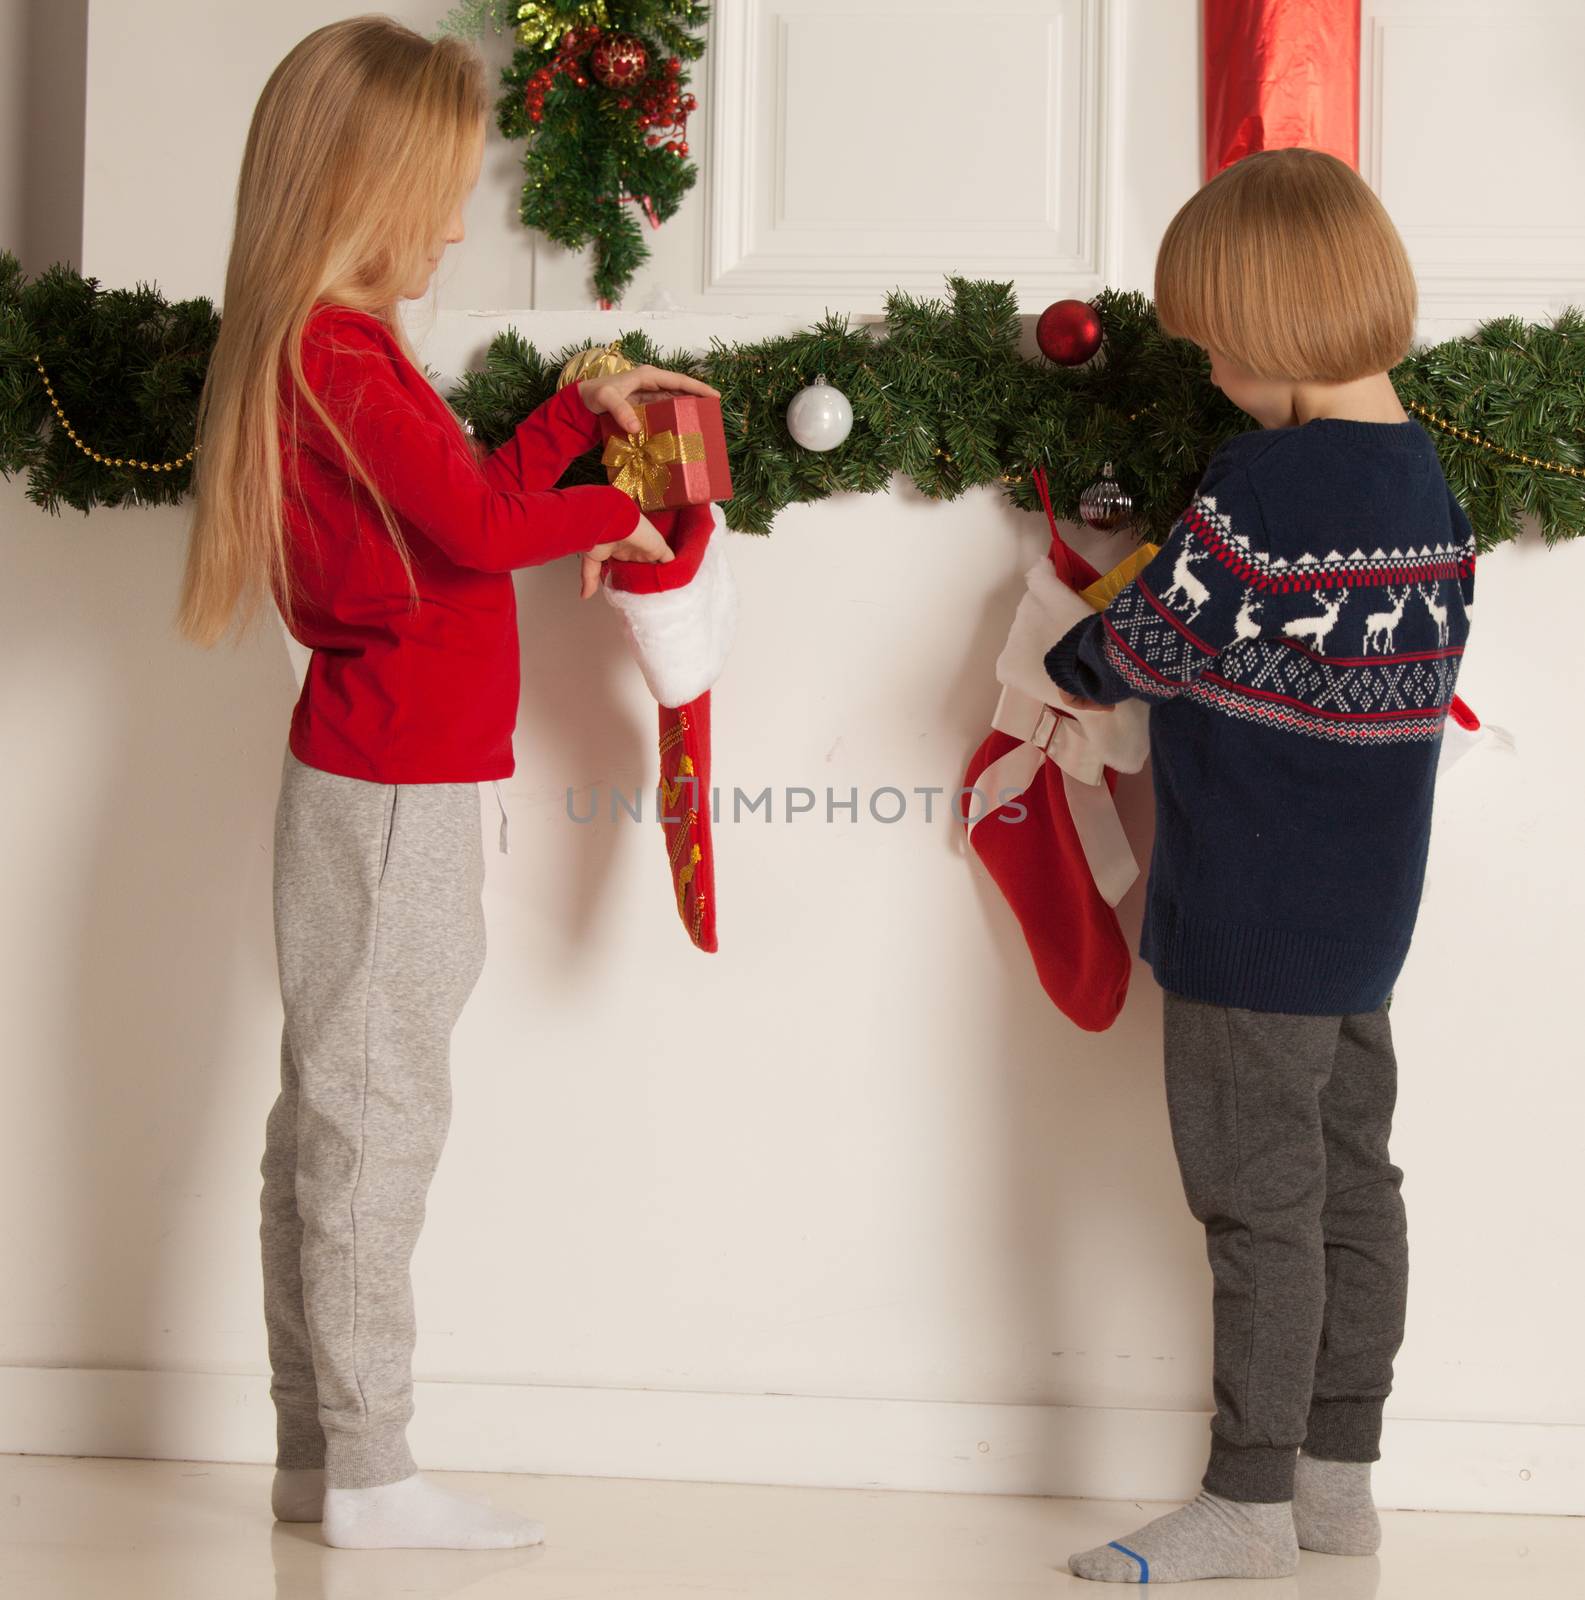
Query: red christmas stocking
679,618
1042,819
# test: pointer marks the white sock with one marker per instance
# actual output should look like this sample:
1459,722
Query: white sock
415,1515
298,1494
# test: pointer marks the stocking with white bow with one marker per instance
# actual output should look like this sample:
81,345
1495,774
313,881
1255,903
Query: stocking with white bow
1038,805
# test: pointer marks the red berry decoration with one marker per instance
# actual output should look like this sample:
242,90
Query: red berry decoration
1069,332
619,59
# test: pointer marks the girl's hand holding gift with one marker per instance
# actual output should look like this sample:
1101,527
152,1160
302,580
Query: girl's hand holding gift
618,392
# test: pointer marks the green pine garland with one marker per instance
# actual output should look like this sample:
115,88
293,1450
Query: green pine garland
127,367
590,174
940,394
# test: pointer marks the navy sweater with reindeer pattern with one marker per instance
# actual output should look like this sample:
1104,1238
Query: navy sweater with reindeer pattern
1299,636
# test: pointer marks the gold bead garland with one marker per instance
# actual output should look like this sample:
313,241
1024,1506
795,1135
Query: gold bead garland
1465,435
1469,436
94,455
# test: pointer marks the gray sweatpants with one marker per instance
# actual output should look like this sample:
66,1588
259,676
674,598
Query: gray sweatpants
379,932
1280,1125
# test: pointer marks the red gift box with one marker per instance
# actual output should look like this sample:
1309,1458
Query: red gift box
678,456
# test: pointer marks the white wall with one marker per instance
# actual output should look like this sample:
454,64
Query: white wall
158,198
161,169
43,77
13,119
848,1202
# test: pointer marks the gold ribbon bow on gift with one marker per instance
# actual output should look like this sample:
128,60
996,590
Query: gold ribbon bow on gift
640,464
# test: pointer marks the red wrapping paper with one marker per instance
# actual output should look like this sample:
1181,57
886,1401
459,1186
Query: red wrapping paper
656,477
1280,73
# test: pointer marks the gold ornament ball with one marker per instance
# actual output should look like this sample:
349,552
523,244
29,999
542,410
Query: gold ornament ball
598,361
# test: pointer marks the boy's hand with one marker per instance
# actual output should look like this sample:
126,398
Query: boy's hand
644,543
619,392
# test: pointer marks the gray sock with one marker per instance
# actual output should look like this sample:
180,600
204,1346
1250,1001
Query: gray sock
1332,1507
1208,1538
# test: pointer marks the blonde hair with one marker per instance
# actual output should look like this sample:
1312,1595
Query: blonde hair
1289,265
360,147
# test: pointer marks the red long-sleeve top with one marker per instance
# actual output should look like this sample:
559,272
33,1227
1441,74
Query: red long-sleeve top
427,694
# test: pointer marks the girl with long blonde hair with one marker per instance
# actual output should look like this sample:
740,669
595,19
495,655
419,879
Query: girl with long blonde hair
334,482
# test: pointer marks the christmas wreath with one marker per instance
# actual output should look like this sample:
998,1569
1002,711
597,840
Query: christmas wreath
599,90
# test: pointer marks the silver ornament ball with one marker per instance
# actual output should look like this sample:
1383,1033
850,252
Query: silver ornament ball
819,417
1106,504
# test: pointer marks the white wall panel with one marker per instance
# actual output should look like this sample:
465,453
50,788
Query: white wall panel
1472,131
13,121
861,146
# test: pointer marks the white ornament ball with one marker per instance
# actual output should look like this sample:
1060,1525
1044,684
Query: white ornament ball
820,417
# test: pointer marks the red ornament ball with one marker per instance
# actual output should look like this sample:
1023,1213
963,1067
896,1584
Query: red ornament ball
1069,332
619,60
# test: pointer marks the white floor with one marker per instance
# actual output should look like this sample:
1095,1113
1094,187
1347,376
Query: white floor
73,1529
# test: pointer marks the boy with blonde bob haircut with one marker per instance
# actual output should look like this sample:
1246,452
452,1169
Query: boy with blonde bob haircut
1298,638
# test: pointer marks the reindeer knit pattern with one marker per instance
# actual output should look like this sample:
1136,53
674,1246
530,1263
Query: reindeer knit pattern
1299,637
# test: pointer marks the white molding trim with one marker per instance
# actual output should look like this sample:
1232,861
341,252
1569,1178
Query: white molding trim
1450,290
801,1440
734,268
